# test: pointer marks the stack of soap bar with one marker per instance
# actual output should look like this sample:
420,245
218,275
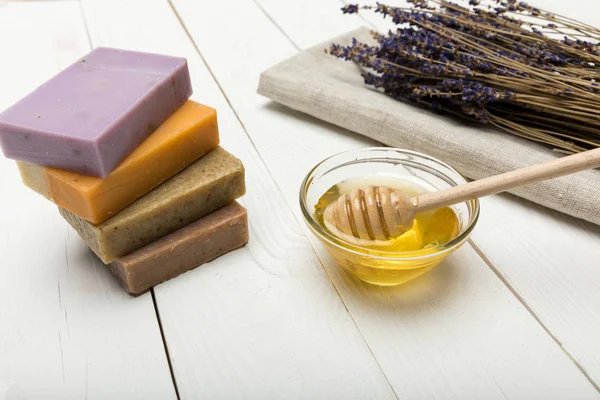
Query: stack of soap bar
134,166
187,135
202,241
213,181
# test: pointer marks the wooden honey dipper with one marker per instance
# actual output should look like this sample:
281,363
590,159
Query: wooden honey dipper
382,213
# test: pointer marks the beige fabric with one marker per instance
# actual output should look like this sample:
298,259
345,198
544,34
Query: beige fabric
332,90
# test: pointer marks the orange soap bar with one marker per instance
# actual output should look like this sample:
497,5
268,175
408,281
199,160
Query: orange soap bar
186,136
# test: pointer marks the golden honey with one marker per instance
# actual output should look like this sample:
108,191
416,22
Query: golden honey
399,259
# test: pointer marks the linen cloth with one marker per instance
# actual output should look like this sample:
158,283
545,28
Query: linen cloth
331,89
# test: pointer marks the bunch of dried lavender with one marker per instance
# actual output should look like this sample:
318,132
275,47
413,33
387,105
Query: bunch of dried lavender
502,62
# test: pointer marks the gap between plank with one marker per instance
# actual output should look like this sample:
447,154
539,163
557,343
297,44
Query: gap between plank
271,175
489,263
164,340
314,251
85,24
275,24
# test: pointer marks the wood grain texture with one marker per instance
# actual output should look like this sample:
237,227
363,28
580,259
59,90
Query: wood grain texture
456,333
263,321
67,330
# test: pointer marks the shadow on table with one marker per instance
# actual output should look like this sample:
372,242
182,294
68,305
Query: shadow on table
442,287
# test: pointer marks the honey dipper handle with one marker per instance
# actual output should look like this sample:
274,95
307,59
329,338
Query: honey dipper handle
509,180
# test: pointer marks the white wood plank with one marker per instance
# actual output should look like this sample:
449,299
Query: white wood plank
456,333
67,330
553,262
552,259
324,16
264,321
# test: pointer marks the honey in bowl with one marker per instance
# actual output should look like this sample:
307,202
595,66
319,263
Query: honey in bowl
397,259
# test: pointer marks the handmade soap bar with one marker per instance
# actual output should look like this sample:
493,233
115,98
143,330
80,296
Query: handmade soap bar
210,183
90,116
200,242
188,134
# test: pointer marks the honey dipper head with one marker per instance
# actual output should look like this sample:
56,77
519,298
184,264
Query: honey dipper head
375,213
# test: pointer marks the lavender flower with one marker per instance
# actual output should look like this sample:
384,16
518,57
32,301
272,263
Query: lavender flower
484,62
350,9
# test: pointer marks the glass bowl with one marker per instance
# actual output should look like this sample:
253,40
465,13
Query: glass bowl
366,264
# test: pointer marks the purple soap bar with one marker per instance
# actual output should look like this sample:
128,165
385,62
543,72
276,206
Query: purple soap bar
90,116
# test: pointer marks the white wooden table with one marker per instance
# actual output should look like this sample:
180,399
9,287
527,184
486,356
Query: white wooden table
515,314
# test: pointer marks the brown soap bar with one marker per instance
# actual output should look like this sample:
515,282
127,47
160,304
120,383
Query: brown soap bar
200,242
212,182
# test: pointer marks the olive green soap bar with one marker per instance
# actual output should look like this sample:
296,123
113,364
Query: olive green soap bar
212,182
